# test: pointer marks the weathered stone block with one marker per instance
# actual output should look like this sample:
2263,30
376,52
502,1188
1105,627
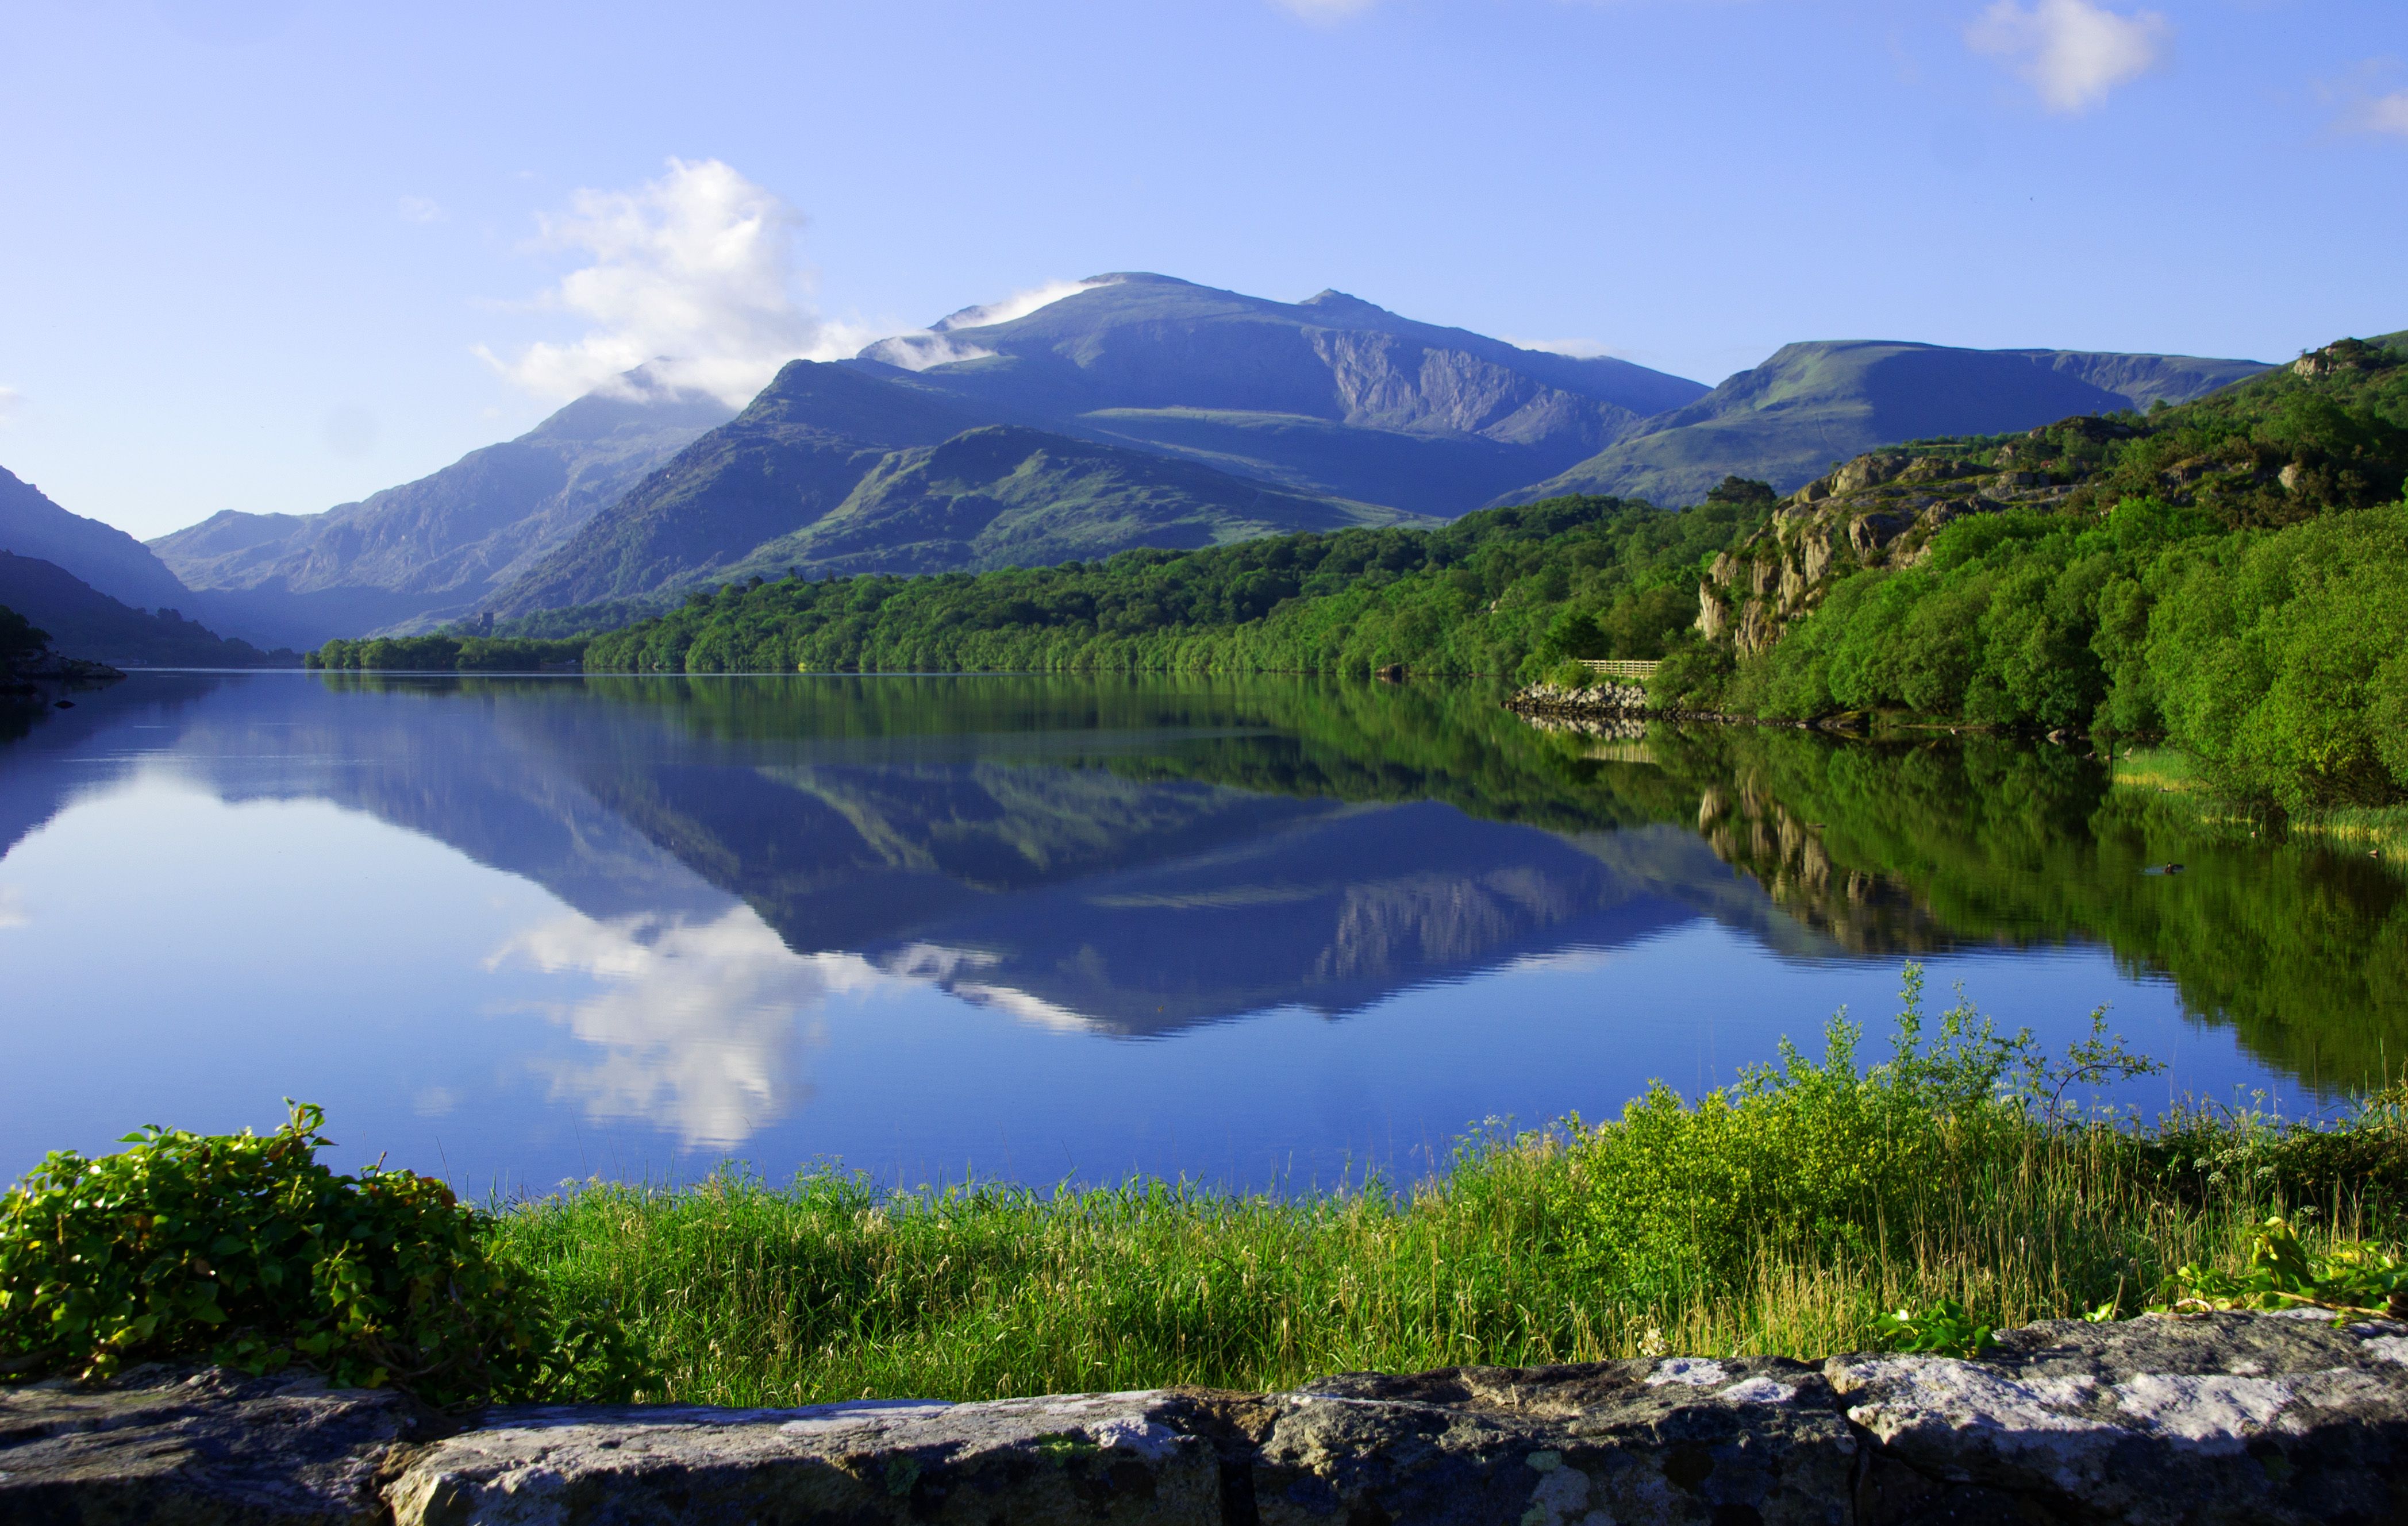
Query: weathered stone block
2225,1418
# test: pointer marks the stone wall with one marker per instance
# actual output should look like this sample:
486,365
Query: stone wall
2222,1419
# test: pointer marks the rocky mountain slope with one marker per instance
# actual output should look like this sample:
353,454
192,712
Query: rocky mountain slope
1332,396
837,468
100,554
439,547
1811,405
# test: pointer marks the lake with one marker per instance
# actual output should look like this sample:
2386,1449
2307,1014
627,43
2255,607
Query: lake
1262,933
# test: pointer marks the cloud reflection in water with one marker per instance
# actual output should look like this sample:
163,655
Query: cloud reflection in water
699,1025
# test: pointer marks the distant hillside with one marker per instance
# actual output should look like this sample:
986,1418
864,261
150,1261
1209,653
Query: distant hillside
832,469
1331,396
1789,419
84,622
1006,497
101,555
439,547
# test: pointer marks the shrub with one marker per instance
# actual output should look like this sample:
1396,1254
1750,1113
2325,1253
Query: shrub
1813,1160
247,1252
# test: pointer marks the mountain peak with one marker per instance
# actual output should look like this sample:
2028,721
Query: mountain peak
1329,296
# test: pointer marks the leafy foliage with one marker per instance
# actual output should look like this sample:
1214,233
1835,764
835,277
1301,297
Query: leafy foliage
247,1251
1941,1328
1804,1157
20,641
1478,595
2355,1279
441,653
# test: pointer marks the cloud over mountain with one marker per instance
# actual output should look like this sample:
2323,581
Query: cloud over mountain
694,275
2072,51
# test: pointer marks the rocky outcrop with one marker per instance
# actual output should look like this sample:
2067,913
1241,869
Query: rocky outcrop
2219,1419
1879,511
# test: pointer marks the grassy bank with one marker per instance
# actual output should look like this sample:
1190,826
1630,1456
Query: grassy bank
1784,1214
1951,1182
2378,830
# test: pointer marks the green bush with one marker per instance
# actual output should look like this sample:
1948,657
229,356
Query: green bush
246,1251
1812,1160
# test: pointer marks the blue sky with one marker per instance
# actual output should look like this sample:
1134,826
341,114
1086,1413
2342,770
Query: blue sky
274,255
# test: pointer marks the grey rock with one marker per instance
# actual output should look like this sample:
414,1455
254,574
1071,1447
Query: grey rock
173,1448
2223,1418
1112,1457
2230,1418
1678,1439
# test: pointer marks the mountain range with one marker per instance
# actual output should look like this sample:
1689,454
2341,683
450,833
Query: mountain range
1138,411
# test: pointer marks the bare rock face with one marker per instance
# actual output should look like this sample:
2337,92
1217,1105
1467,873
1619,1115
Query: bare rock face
2221,1419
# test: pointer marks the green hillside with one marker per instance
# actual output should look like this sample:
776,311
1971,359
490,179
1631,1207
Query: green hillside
834,470
1812,406
1003,496
791,456
2231,574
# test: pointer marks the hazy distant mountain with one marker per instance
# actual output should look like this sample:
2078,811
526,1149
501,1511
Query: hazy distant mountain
1331,395
82,622
439,547
1811,405
835,468
100,554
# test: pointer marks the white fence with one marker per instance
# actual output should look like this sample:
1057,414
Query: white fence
1617,668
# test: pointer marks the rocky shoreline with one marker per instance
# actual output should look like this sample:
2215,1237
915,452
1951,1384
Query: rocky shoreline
1556,707
2217,1419
47,680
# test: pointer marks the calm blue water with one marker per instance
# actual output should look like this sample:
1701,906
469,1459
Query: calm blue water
517,930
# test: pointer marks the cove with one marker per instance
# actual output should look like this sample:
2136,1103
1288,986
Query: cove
1259,932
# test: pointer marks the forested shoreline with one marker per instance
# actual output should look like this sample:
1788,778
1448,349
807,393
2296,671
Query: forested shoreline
2229,576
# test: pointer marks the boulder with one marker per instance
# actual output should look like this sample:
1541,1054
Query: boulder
177,1447
2220,1419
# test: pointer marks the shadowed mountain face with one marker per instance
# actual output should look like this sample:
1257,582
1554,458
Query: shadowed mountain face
1787,421
102,555
440,548
83,622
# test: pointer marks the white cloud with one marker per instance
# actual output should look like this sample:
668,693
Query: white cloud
693,275
696,1024
1580,350
12,401
1324,11
2383,114
936,345
1018,305
2072,51
419,209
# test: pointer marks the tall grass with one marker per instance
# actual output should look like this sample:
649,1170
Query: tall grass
1783,1214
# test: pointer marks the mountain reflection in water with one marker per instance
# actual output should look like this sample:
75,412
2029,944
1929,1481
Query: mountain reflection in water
755,885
